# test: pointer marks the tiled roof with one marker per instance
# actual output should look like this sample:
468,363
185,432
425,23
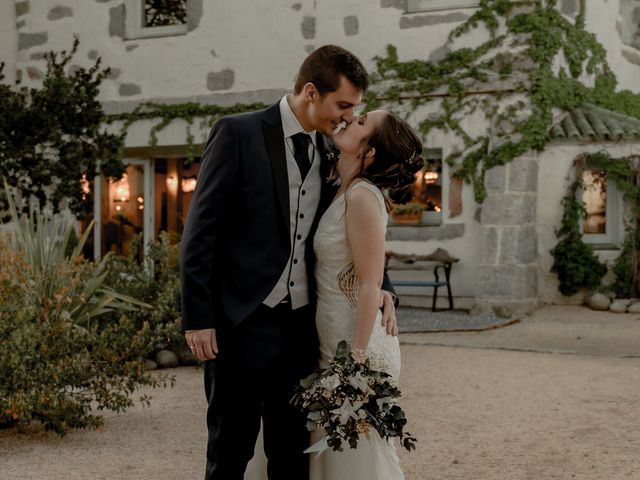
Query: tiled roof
595,123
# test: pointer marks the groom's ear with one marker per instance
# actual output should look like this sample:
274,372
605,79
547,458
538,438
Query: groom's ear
310,92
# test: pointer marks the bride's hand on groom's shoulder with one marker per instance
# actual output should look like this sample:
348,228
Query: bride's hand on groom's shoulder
388,313
203,343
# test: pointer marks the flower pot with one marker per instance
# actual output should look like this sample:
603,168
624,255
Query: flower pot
431,217
406,218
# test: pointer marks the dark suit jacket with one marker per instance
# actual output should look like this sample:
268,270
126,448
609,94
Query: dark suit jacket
236,240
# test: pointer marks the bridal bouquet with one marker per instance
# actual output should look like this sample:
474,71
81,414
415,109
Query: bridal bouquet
348,399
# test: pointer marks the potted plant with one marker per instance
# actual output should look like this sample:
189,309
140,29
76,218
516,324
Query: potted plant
407,214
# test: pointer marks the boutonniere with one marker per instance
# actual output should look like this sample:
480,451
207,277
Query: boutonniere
333,155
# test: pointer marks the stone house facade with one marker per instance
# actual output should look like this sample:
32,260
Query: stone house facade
230,51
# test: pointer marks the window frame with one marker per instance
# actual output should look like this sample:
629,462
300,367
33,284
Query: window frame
134,21
613,218
418,6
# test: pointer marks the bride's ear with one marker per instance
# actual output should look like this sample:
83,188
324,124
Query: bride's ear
368,157
370,153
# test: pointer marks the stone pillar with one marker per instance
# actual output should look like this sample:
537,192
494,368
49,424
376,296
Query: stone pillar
506,281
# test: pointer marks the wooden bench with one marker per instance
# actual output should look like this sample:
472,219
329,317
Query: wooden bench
439,262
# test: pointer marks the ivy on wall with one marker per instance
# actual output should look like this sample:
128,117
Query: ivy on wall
191,112
575,262
513,79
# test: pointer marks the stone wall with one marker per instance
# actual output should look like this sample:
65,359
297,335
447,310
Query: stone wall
506,283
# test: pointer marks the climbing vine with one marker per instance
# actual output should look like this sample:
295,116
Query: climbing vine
574,261
533,61
191,112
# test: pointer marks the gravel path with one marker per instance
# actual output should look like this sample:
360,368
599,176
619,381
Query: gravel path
478,414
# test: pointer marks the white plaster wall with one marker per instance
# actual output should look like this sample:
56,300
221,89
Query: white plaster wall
603,17
553,182
261,42
8,40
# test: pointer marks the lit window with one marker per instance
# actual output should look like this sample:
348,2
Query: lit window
422,202
415,6
155,18
600,195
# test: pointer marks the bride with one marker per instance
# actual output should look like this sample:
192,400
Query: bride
378,152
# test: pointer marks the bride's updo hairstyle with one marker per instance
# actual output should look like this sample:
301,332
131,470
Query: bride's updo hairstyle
397,156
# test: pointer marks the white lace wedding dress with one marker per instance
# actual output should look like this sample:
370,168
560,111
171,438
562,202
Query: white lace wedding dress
375,458
336,283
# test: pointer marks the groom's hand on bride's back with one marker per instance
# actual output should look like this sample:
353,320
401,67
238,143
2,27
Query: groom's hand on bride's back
388,306
203,343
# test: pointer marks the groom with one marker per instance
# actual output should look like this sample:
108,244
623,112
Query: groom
248,295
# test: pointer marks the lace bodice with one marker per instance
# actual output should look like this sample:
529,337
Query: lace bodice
337,288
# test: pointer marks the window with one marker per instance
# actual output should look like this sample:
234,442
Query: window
122,209
415,6
601,198
422,203
155,18
152,196
174,183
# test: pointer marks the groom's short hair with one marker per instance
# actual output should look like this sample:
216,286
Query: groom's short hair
324,66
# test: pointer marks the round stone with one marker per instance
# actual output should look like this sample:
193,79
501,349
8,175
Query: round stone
150,364
166,359
634,308
598,301
618,306
626,301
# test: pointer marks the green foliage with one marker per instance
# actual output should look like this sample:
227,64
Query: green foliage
189,112
408,208
155,281
625,266
624,172
59,361
163,12
575,263
350,398
50,137
525,40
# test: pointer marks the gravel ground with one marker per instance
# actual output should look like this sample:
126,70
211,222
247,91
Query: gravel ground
478,412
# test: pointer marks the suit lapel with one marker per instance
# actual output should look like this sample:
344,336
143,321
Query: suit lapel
274,139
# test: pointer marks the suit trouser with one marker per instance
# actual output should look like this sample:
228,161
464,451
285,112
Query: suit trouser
259,364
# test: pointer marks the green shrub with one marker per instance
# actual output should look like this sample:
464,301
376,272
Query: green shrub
624,266
155,281
575,262
60,360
